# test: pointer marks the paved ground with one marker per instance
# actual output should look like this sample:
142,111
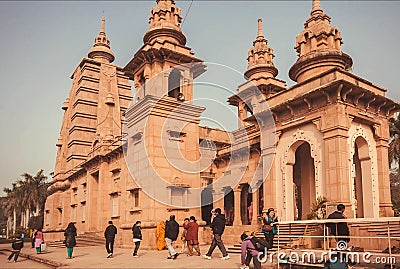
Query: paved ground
95,257
22,262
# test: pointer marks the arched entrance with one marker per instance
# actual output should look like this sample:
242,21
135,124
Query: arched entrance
246,204
304,191
229,205
206,204
362,179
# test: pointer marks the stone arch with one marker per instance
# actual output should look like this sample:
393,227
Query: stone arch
364,171
288,160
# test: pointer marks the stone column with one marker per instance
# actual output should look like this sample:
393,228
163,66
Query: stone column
237,221
255,207
385,202
337,169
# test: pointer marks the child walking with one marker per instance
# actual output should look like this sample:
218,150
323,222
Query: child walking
16,246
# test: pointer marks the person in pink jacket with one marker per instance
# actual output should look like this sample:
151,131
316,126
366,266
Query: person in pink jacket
38,241
249,252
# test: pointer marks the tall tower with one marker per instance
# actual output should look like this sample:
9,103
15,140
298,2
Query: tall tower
91,125
162,125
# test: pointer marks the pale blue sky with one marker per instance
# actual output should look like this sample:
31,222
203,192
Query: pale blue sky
42,43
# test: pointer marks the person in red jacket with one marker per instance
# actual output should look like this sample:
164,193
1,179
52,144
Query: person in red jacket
192,236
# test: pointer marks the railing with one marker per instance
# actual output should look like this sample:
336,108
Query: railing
326,237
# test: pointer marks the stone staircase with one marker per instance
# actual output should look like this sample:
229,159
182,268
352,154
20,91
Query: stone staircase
289,236
82,240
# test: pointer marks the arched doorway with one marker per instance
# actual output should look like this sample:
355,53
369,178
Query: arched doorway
246,204
362,179
304,192
206,204
229,205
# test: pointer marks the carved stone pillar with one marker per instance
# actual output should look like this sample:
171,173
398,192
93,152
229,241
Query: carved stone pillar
255,207
237,221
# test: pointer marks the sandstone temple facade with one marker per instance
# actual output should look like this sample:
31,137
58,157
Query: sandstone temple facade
331,136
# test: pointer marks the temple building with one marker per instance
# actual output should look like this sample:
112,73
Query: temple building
120,159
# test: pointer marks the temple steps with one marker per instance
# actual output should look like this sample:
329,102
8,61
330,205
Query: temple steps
82,240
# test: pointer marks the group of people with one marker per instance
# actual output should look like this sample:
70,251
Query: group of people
39,244
253,248
168,232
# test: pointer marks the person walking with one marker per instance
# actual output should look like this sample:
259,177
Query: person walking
39,239
249,252
109,234
192,236
183,236
16,246
137,237
341,230
70,239
268,228
160,234
171,234
218,227
34,232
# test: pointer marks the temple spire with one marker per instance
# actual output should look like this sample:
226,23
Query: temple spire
101,47
165,23
318,47
102,31
316,8
260,30
260,57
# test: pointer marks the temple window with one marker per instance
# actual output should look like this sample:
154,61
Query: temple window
174,81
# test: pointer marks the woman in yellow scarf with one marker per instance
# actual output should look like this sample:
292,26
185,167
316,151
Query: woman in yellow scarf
160,234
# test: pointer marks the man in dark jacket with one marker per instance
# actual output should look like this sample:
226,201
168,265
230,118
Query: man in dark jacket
109,234
16,246
218,227
340,229
171,234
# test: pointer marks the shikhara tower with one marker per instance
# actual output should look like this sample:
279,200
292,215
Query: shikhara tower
331,134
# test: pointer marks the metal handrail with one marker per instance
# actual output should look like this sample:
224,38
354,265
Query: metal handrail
386,221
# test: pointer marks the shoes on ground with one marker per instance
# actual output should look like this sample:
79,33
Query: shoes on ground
169,257
175,256
135,256
207,257
226,257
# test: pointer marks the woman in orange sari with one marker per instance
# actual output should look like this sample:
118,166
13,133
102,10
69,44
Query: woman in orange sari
160,234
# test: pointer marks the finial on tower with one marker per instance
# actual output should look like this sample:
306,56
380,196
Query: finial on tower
102,31
101,48
316,8
260,30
